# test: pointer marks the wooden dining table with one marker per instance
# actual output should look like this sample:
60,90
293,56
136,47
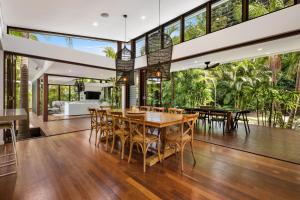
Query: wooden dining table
159,120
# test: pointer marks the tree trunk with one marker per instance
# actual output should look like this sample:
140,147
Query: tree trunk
297,89
275,65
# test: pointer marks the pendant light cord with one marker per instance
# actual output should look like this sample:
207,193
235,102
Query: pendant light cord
125,17
158,13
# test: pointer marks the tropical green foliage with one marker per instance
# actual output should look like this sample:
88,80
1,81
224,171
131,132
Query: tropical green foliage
245,84
109,52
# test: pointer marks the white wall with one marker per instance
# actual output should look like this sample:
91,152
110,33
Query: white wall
276,23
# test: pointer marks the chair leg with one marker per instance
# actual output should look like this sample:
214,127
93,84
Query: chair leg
122,147
247,123
144,157
14,141
244,120
106,143
113,143
192,149
97,136
181,157
158,151
130,151
91,134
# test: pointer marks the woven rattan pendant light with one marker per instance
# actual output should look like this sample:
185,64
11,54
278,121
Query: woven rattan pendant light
124,63
159,55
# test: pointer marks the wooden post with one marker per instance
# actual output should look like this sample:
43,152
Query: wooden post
45,104
208,17
38,97
245,10
143,83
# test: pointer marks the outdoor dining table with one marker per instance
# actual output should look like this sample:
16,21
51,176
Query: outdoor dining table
228,111
160,120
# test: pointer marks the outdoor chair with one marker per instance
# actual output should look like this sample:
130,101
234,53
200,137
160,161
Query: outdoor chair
158,109
145,108
242,116
218,116
175,110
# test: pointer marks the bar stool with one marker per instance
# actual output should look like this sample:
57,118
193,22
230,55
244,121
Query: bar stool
10,126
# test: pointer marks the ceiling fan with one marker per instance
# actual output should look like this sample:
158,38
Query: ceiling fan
210,66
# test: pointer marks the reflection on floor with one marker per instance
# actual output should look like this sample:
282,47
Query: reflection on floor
62,116
69,167
273,142
56,127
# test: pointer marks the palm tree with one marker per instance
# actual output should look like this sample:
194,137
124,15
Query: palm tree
109,52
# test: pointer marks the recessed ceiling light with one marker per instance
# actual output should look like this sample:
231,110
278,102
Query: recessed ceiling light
196,61
105,15
143,17
95,23
259,49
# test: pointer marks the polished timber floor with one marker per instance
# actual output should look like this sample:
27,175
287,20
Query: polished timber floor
69,167
276,143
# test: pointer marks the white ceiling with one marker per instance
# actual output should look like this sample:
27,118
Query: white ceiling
37,67
78,16
284,45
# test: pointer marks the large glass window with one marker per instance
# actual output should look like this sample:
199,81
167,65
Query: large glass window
140,47
73,93
64,93
103,48
195,25
50,39
225,13
53,94
100,47
261,7
173,30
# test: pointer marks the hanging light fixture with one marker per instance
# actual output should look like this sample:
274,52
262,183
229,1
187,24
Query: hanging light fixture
79,85
124,63
159,55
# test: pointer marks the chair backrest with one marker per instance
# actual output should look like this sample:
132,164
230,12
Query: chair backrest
145,108
137,124
158,109
189,120
220,113
103,117
93,115
175,110
120,122
105,107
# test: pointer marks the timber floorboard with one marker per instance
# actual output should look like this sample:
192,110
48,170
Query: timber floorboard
276,143
69,167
